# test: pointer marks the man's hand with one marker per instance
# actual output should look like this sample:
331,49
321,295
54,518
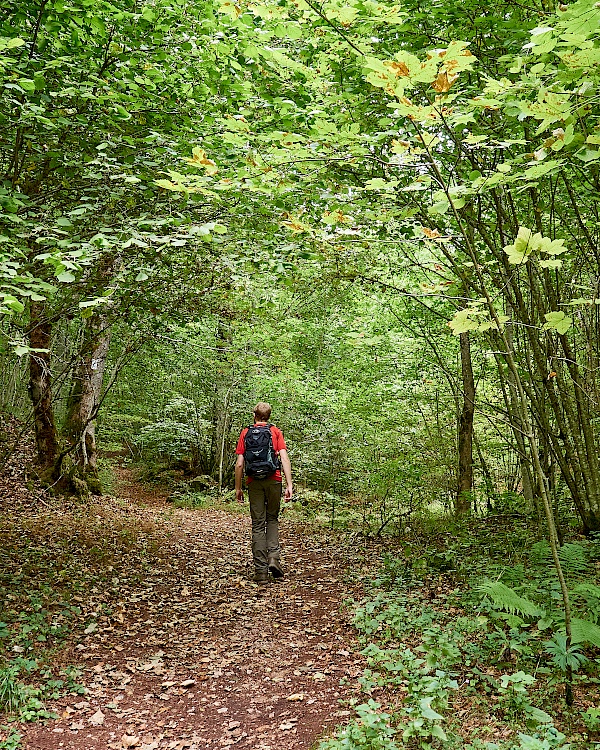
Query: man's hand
287,473
239,475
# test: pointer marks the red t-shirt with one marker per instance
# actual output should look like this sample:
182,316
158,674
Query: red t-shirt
278,445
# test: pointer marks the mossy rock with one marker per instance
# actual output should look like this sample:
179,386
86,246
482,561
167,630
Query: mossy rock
201,483
79,488
94,484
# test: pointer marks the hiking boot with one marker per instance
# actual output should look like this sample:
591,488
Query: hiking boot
275,568
261,577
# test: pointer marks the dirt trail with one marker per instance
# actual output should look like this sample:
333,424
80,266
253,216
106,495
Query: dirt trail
191,655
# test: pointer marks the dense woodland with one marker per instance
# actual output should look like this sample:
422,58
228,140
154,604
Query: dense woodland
382,219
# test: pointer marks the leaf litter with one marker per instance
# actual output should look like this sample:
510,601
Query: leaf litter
178,648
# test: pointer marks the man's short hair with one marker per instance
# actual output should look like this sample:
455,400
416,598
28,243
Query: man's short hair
262,411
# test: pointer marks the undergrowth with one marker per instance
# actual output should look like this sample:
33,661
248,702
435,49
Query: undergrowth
464,641
10,739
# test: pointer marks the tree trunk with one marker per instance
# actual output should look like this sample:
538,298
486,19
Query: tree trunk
488,480
40,386
465,429
84,401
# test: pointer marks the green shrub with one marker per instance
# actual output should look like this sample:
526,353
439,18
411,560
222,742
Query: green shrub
12,692
370,731
12,739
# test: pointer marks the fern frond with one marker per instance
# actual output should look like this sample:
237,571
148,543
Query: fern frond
507,599
583,631
587,591
574,558
540,553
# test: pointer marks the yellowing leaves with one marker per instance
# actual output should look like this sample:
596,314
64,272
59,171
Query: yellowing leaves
440,69
343,12
336,217
233,10
456,58
199,159
550,107
267,12
397,68
585,58
387,13
399,147
463,322
166,184
295,224
238,122
444,81
377,183
291,140
521,249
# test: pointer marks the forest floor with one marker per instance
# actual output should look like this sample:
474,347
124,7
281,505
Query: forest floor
175,646
128,622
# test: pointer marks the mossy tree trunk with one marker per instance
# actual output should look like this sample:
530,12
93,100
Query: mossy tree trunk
40,386
84,401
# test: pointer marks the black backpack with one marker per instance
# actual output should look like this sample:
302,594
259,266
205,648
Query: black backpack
260,461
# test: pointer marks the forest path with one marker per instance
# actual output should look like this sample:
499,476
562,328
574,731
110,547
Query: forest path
181,650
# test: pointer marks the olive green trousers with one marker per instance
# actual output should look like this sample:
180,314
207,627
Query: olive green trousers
265,502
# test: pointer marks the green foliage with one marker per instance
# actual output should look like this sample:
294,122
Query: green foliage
106,475
370,731
591,718
507,598
319,191
463,640
514,697
299,362
425,681
585,632
12,739
589,594
545,739
564,656
181,434
574,558
205,500
18,700
168,439
12,692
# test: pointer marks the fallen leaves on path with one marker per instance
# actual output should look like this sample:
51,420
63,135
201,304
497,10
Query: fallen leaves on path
179,649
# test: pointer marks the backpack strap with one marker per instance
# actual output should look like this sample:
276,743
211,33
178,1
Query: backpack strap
252,426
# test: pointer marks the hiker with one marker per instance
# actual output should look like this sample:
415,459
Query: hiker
262,454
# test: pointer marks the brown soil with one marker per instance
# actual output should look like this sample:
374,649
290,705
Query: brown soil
178,647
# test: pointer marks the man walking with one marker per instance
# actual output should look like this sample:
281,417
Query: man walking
262,455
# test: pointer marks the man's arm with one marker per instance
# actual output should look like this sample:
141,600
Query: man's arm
287,473
239,473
